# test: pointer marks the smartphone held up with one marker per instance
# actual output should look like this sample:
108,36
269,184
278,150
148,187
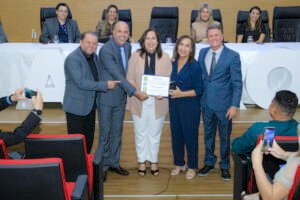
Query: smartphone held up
268,139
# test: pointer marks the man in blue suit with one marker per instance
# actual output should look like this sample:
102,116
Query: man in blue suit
222,80
113,59
82,88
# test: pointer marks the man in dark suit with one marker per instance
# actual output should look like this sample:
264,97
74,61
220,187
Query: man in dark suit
27,126
222,79
113,57
82,74
3,37
61,28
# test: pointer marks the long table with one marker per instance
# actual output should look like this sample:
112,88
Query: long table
266,68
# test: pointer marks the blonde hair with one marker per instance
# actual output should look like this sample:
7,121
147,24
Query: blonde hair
210,20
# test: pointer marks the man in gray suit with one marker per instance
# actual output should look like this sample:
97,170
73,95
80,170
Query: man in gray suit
113,57
60,29
82,88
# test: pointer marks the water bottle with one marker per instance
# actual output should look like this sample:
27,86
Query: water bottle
33,35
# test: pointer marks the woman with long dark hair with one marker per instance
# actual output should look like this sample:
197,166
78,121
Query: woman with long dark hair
104,27
252,28
184,106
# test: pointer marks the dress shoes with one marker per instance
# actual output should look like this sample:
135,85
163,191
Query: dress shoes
119,170
225,174
205,170
104,176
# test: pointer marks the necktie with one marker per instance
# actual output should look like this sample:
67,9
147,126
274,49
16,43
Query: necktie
123,55
213,63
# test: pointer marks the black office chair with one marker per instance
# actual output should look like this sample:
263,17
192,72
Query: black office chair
244,179
46,13
124,15
36,179
216,14
286,24
242,17
165,21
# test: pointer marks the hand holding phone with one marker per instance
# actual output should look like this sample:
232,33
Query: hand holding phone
172,85
268,139
29,93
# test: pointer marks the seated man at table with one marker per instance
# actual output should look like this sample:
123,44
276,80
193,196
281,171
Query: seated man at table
3,37
27,126
60,29
282,110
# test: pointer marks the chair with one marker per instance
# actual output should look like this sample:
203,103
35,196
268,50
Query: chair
165,21
36,179
295,190
3,150
72,149
286,24
243,174
216,13
46,13
242,17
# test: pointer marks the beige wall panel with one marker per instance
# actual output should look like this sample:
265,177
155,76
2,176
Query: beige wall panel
20,16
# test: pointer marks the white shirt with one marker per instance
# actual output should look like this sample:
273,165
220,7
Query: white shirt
208,57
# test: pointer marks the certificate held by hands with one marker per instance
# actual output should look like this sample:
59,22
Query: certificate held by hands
155,85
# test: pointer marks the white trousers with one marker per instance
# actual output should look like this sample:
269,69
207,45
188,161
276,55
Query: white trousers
147,131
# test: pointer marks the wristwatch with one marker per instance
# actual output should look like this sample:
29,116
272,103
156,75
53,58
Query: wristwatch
38,112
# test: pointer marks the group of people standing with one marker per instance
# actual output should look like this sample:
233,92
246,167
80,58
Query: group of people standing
109,82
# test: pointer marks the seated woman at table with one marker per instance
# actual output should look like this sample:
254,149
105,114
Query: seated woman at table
253,27
3,37
203,20
60,29
283,179
184,106
148,116
104,27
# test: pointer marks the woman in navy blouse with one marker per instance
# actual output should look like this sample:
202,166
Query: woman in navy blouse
184,103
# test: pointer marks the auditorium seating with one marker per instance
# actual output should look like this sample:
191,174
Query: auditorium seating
124,15
243,173
3,150
286,24
50,12
295,190
72,149
242,17
36,179
216,14
165,21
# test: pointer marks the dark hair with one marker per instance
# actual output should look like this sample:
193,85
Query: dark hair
158,49
192,53
214,26
62,4
82,35
287,102
258,22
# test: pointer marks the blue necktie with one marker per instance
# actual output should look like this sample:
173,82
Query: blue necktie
123,55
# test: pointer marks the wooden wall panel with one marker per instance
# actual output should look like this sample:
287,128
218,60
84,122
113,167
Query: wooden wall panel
20,16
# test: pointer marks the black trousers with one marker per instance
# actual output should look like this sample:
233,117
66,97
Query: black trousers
84,125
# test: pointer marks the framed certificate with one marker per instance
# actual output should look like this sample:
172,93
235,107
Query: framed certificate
155,85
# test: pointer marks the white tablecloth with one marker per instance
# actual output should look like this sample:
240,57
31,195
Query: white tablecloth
266,68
